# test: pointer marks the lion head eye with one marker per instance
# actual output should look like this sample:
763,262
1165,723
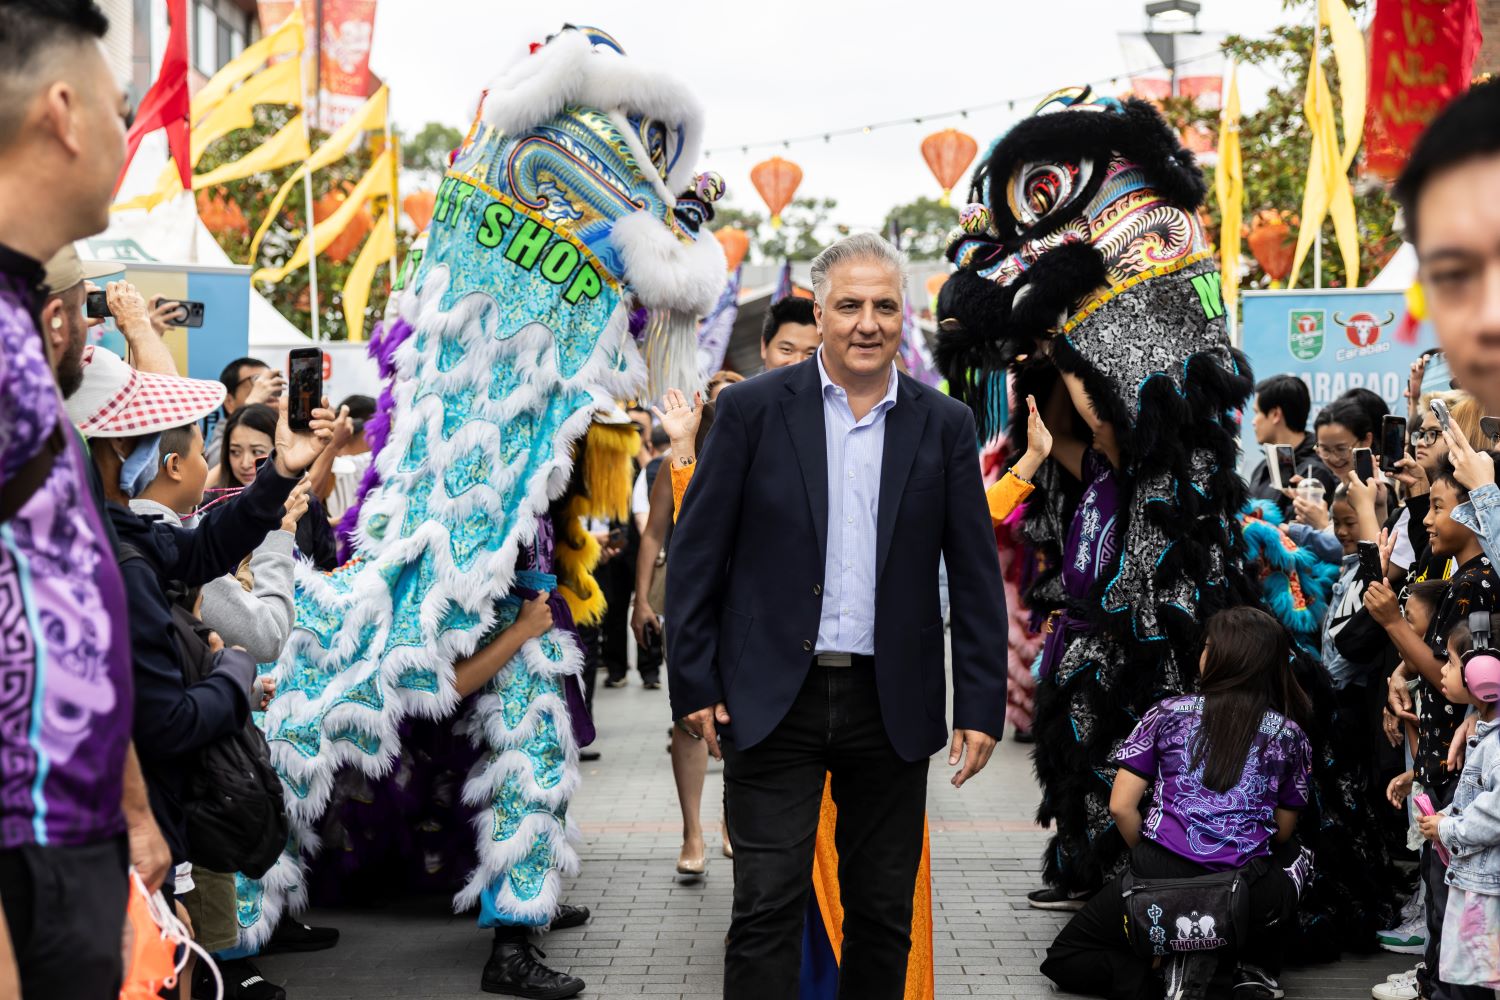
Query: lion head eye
1040,189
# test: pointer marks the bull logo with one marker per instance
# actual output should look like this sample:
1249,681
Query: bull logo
1362,328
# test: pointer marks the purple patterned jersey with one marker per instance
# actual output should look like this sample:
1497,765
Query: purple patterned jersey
65,694
1219,830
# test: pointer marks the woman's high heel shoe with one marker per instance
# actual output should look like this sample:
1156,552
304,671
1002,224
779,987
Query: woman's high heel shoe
691,867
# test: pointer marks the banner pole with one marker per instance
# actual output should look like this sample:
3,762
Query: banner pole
307,196
395,200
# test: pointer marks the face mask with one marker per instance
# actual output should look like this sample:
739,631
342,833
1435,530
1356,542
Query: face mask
138,469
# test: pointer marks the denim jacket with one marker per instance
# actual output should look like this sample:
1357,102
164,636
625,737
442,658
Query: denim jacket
1481,515
1471,830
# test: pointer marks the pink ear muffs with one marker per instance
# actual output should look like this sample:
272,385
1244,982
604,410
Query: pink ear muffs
1482,674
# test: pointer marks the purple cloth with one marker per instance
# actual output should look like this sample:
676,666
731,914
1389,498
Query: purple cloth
1219,830
65,690
1092,543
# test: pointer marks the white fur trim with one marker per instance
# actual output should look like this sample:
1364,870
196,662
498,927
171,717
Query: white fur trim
666,273
568,70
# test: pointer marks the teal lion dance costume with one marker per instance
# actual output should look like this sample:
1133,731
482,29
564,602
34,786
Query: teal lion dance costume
569,222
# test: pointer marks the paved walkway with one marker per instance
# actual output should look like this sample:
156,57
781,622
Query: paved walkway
652,935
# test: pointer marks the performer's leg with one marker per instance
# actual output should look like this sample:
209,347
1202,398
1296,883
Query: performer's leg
881,799
773,791
1091,956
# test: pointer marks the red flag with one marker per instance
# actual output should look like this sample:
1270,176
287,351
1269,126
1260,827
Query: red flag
168,104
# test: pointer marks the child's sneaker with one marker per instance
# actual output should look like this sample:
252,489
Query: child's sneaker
1398,987
1409,936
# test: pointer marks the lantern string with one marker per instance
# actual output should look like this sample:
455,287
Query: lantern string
827,134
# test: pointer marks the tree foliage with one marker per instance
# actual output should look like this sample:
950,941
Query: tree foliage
253,195
921,226
428,150
1275,145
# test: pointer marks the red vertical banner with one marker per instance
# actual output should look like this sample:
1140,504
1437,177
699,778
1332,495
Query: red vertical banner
1421,57
344,75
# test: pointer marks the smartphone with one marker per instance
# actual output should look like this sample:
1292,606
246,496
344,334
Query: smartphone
1490,428
305,379
653,638
1392,441
1364,464
1440,409
1281,465
1369,562
1424,806
189,313
96,306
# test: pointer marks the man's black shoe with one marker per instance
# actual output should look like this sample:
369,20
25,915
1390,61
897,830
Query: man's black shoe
242,981
587,755
1050,897
569,915
293,935
515,970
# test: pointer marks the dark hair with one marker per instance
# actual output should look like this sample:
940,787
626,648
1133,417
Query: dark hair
177,441
1370,401
1428,593
1460,640
659,437
1346,413
1467,129
1289,394
360,407
705,424
29,29
1248,673
792,309
257,417
230,376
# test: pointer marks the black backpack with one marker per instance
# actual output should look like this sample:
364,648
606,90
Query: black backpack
236,816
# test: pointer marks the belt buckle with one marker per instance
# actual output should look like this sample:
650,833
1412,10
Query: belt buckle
835,659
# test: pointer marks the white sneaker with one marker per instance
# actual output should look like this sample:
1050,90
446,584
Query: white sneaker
1409,936
1399,987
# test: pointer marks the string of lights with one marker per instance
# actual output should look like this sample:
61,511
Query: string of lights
828,135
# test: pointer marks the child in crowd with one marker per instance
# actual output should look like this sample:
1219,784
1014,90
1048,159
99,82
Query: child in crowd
1469,829
1231,759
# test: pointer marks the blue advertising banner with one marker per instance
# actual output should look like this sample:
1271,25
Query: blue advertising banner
1334,339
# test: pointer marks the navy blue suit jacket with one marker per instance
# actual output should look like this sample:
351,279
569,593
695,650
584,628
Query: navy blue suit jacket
745,568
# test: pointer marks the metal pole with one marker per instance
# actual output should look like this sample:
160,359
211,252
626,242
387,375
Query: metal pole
1318,259
395,201
312,245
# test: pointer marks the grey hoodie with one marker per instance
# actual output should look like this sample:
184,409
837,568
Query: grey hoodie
261,621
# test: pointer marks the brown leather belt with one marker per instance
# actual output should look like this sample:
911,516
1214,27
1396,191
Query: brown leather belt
845,660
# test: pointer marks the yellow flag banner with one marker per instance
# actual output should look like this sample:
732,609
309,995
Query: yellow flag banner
376,182
1328,192
379,248
287,146
284,41
367,119
1229,185
279,84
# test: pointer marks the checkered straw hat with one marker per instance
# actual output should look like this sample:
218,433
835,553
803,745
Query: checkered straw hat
115,400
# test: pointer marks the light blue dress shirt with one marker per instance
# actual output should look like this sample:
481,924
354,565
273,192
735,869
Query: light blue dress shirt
855,453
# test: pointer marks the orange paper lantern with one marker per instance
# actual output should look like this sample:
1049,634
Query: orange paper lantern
221,215
948,154
1271,243
343,245
418,207
776,180
736,243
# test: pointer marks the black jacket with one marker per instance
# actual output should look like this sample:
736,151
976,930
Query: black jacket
1308,463
745,570
172,719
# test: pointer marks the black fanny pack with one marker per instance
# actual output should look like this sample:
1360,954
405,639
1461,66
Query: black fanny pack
1166,916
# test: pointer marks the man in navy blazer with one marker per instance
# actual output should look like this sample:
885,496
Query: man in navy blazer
804,630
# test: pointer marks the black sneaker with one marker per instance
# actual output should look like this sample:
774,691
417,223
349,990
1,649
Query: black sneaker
292,935
1251,983
588,755
515,970
1050,897
615,682
1186,975
569,915
242,981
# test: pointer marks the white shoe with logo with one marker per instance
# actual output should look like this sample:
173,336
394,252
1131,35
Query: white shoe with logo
1402,986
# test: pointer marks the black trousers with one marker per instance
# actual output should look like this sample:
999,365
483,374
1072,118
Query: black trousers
1092,956
774,791
65,907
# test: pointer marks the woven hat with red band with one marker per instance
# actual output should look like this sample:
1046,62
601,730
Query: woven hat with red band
114,400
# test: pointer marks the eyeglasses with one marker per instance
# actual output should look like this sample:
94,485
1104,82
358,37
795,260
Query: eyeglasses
1333,451
1429,436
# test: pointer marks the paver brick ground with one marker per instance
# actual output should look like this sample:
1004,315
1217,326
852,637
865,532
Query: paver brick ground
652,935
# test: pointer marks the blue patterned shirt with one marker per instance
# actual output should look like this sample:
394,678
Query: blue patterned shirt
855,453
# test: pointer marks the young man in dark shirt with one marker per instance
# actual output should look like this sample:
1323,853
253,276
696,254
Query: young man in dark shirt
1282,404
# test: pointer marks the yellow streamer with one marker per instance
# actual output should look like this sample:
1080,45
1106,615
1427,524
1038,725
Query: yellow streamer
377,182
284,41
287,146
1328,192
1229,185
279,84
379,248
367,119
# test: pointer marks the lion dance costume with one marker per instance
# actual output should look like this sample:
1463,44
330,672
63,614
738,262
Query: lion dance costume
1088,243
569,223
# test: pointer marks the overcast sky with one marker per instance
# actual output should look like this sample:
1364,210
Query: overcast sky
768,69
